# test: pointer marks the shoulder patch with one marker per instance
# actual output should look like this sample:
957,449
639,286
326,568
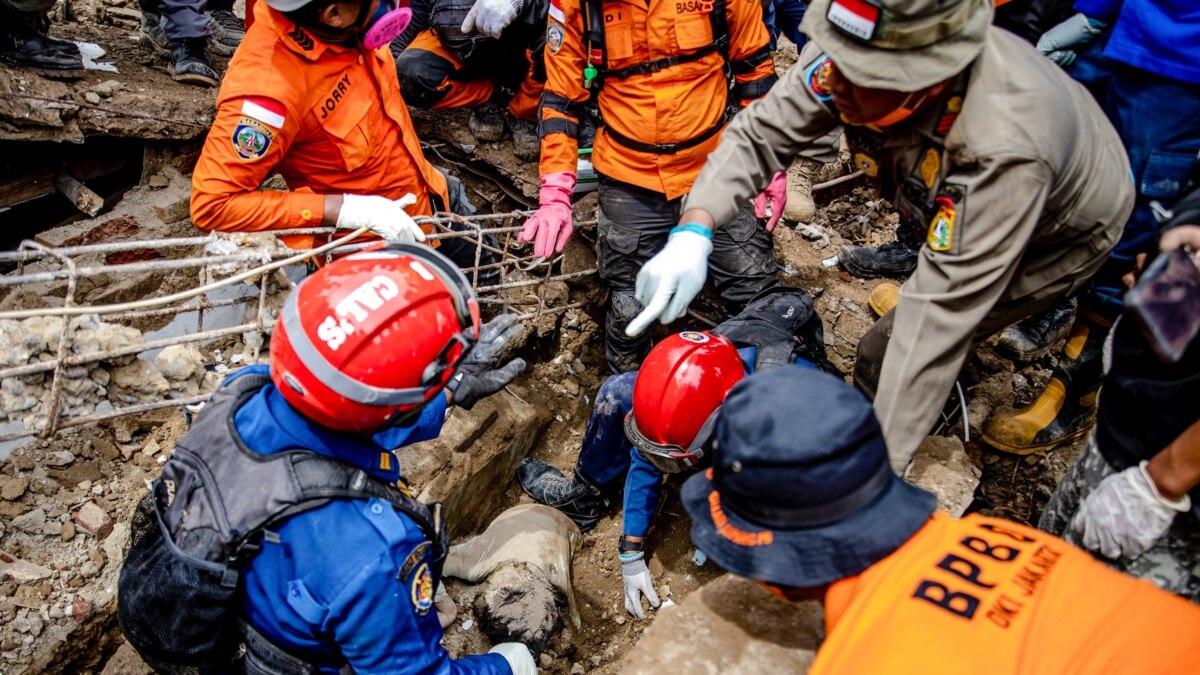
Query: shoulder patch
302,39
556,11
817,78
554,36
266,110
251,139
421,590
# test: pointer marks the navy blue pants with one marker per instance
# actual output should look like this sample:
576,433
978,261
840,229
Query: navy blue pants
1158,120
782,17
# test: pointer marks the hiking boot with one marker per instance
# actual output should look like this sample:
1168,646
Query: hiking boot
25,43
893,259
526,145
1033,337
800,175
152,34
487,122
884,298
190,64
1066,407
578,499
227,31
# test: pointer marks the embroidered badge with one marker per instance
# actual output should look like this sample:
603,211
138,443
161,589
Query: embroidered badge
866,164
941,230
931,163
693,336
415,558
949,115
251,139
818,78
422,590
554,36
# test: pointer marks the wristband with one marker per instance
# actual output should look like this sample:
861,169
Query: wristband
694,228
626,546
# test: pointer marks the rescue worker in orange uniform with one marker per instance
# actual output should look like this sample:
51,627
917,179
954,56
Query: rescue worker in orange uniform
312,93
801,497
657,72
485,55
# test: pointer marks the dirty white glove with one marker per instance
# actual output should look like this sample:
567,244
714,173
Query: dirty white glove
667,282
383,216
491,17
444,605
518,656
638,582
1062,43
1125,514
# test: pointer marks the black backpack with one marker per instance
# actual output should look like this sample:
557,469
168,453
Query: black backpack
208,515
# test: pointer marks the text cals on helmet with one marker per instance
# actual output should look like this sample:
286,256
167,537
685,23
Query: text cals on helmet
355,308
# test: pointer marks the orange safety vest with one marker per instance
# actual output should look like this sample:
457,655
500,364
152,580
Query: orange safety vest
988,596
329,119
678,100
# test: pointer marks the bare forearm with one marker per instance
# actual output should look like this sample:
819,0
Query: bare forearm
1176,469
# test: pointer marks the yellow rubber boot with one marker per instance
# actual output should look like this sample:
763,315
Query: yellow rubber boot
1066,407
884,298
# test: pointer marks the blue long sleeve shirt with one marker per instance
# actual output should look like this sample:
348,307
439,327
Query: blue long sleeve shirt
1159,36
329,591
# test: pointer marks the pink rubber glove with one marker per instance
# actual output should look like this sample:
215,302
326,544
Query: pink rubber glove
774,198
551,226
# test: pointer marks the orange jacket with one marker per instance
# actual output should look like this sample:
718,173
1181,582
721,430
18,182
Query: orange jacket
987,596
329,119
671,105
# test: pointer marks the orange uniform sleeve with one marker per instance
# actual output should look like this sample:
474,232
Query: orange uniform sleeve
248,138
749,50
564,97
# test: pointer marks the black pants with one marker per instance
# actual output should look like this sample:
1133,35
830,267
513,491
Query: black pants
634,223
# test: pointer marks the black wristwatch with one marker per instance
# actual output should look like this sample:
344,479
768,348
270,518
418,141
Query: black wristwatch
626,546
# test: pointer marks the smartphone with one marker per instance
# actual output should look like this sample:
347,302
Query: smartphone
1166,301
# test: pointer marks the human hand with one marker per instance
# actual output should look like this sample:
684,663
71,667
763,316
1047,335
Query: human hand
772,199
477,375
384,217
551,226
519,658
491,17
669,281
1182,236
638,582
1062,42
1126,514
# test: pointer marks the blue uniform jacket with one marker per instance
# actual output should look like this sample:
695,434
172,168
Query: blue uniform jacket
329,590
1160,36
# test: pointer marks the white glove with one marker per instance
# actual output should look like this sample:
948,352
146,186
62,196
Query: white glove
667,282
518,656
1125,514
638,582
382,216
491,17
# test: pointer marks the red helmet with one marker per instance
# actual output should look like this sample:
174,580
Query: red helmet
373,336
676,395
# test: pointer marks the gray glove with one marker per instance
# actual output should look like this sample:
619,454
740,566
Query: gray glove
638,582
1061,43
1125,514
478,375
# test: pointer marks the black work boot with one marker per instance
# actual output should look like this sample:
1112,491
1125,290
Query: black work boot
578,499
526,145
893,259
25,42
1065,408
151,33
227,31
487,122
190,64
1033,337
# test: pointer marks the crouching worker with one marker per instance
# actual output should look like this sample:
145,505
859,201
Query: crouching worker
801,498
658,420
282,537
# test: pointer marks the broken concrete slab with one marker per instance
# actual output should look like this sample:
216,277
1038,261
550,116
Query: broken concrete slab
732,626
21,571
941,465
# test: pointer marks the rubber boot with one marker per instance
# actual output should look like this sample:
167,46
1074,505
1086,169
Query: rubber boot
25,43
487,122
800,175
884,298
526,145
190,64
578,499
895,258
1065,408
227,31
1034,337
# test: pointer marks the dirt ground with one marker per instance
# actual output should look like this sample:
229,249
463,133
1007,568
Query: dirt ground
49,500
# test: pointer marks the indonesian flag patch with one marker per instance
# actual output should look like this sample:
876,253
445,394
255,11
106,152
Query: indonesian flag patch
856,17
265,110
556,11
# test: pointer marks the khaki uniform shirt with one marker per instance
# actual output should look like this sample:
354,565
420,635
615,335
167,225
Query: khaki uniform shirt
1015,179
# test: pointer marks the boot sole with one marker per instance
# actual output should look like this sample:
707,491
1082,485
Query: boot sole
198,80
50,73
1021,451
221,49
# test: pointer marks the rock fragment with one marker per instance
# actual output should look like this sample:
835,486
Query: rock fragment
94,520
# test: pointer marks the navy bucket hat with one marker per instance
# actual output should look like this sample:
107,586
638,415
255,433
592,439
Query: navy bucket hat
800,492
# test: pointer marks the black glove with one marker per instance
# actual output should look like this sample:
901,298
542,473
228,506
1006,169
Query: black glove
478,375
